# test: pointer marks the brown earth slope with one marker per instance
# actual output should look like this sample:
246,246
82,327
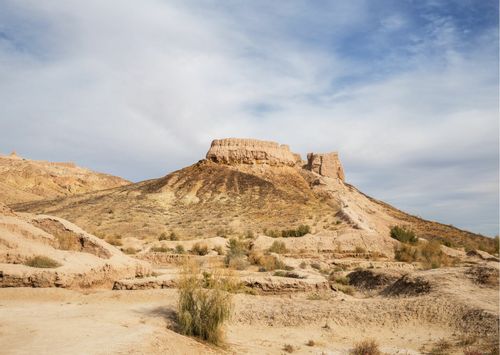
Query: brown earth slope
23,180
243,186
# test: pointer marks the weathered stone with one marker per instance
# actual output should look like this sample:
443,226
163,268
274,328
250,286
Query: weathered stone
251,151
326,164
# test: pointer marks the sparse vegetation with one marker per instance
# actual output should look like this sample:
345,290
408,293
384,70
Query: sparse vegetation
114,240
366,347
403,234
428,253
179,249
311,342
290,274
266,262
130,251
41,261
360,250
199,249
299,232
288,233
441,347
316,266
160,249
278,247
348,290
288,348
236,254
201,312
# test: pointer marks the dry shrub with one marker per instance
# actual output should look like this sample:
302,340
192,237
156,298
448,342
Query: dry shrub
311,343
441,347
266,262
288,348
179,249
360,250
278,247
429,254
201,312
348,290
41,261
114,240
199,249
237,263
366,347
130,251
160,249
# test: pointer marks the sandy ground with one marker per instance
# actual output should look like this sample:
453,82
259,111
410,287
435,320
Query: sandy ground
58,321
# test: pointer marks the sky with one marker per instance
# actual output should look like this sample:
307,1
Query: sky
405,90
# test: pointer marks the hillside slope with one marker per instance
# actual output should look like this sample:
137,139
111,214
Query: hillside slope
23,180
243,187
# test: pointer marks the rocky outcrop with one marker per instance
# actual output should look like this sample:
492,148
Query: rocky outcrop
251,151
326,164
77,258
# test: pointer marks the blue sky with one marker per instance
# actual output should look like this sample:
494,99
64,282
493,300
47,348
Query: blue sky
406,91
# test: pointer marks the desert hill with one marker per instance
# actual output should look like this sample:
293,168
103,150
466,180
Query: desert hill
245,186
23,180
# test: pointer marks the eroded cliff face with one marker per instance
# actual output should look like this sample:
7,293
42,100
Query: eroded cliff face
326,164
251,151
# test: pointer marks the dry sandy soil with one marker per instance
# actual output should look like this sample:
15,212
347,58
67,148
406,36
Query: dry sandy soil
142,321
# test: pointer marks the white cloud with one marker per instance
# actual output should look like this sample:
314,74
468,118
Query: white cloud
141,88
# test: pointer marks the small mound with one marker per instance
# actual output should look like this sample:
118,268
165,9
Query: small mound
408,285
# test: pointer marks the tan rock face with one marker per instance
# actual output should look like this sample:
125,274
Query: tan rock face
326,164
251,151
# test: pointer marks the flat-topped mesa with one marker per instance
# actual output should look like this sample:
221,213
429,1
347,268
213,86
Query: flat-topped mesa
251,151
326,164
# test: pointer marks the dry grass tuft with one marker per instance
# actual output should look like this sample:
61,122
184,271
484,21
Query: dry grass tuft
366,347
201,312
429,254
288,348
199,249
41,261
278,247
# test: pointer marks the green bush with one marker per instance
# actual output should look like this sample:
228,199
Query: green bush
404,234
41,261
201,312
278,247
179,249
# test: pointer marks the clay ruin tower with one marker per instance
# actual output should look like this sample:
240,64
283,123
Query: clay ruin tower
252,151
326,164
